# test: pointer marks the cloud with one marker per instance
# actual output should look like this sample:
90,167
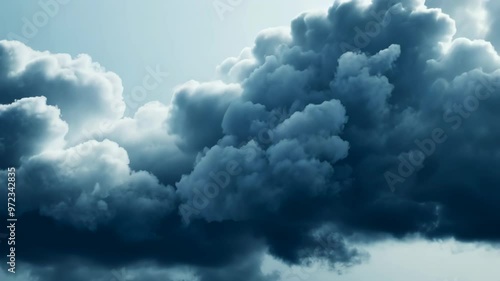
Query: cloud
91,185
74,269
476,19
149,146
241,183
85,93
30,127
197,112
248,269
297,137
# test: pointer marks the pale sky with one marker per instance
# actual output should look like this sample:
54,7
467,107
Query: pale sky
187,39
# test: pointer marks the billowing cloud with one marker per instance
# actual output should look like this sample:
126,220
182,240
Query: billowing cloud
197,112
148,143
30,127
85,93
368,120
475,19
91,185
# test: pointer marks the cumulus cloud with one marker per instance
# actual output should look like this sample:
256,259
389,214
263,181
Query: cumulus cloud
83,90
90,185
308,130
197,112
148,143
30,126
297,160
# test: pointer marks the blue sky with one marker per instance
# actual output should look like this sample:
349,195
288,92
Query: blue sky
187,39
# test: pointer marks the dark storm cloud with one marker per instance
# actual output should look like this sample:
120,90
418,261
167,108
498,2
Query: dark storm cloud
197,112
248,268
93,189
308,130
73,270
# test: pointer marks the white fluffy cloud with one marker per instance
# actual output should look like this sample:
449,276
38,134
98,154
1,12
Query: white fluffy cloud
30,126
83,90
